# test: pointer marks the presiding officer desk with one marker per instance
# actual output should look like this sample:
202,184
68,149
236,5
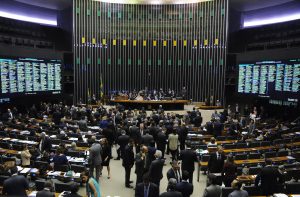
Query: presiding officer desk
152,104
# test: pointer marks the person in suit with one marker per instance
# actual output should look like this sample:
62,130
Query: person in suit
47,191
270,178
134,133
182,133
184,186
123,140
216,161
188,157
161,142
173,144
16,185
174,172
229,172
156,168
45,143
213,190
140,164
238,192
171,190
127,163
147,139
60,158
95,159
106,155
146,188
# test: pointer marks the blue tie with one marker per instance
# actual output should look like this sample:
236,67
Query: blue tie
146,191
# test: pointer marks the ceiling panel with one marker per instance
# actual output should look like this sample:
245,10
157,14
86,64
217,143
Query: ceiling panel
248,5
50,4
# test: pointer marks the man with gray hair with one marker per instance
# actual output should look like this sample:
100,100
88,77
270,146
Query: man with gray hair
156,168
171,190
95,159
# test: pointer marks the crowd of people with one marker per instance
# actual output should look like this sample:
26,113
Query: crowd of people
141,140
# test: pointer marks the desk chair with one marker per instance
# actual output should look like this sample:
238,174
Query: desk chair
78,168
39,185
282,153
63,168
241,156
254,170
270,154
254,156
60,187
241,145
226,191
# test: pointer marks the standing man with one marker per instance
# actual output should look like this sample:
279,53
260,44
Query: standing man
270,179
146,188
95,159
134,134
174,172
216,161
156,168
45,143
188,157
140,164
161,142
122,140
182,133
128,161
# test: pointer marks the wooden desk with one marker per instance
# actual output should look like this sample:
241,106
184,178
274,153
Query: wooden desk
257,161
238,150
8,151
149,105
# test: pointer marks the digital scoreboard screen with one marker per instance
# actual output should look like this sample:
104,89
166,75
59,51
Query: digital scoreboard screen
27,76
274,79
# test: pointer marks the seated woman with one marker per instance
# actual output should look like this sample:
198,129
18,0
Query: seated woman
25,156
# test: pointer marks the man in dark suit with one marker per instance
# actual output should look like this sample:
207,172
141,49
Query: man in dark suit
123,140
174,172
95,159
140,164
185,187
216,161
147,139
46,192
161,142
45,143
171,191
156,168
270,179
182,132
134,133
188,157
146,189
128,161
16,185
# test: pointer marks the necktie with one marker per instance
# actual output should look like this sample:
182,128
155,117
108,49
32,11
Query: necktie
146,191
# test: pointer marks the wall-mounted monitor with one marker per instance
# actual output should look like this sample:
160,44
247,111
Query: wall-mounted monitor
272,79
29,76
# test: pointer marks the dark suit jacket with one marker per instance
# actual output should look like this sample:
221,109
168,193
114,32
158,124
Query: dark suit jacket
139,164
161,139
155,170
123,140
153,190
270,179
171,194
45,193
128,158
15,186
147,139
185,188
216,165
46,146
134,133
188,157
171,174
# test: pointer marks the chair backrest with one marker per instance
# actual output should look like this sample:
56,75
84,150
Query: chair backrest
231,138
254,144
22,137
252,190
226,191
4,145
254,170
265,143
221,138
205,157
2,179
278,141
283,153
254,156
203,147
82,144
229,146
240,156
241,145
78,168
293,188
17,147
41,164
270,154
63,168
73,153
60,187
55,141
39,184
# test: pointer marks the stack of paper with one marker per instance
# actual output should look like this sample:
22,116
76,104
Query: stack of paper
32,194
25,170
